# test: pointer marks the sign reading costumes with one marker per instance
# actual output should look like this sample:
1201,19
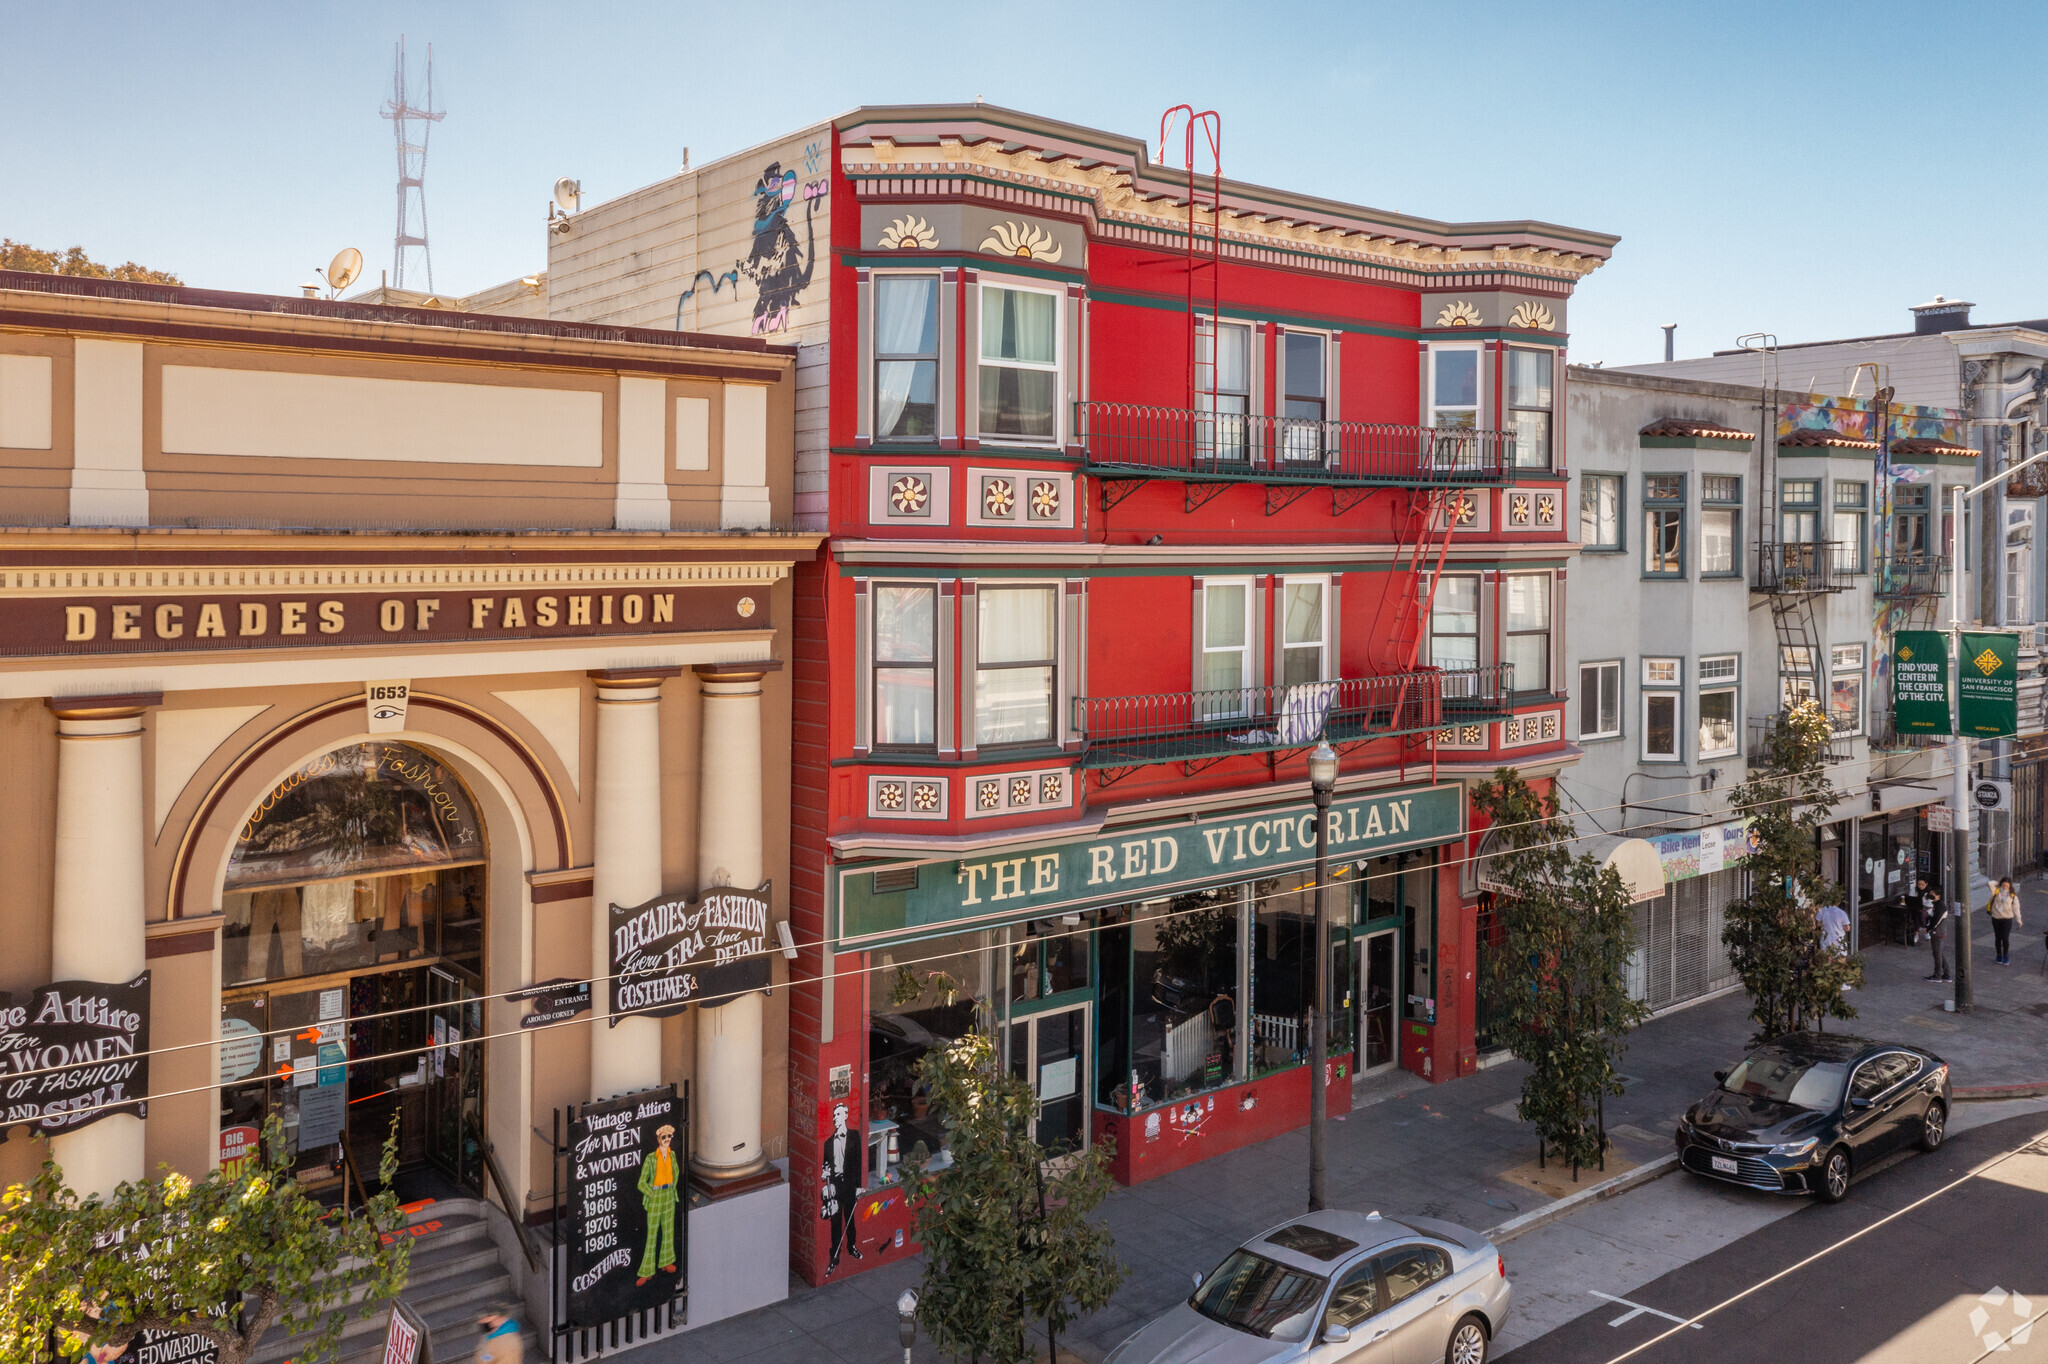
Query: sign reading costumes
73,1052
626,1241
672,951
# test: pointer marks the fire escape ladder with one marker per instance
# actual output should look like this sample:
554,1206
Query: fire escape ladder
1425,542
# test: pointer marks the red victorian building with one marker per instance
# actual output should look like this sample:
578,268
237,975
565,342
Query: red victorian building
1140,482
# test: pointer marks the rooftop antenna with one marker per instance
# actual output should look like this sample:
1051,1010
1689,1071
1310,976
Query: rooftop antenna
342,270
412,166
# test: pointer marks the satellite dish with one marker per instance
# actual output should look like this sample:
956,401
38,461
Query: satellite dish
569,195
343,269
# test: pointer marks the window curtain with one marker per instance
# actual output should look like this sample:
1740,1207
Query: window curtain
1018,326
905,324
1016,625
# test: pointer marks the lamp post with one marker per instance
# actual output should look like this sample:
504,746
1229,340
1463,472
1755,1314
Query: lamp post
1322,780
906,1320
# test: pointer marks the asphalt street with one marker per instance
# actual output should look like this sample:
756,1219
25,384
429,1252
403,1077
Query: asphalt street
1932,1259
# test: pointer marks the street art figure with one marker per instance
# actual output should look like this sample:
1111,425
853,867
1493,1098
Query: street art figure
660,1180
840,1175
779,268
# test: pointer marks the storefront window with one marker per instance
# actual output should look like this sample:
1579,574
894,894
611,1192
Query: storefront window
1283,971
1169,1023
1418,923
1047,958
921,996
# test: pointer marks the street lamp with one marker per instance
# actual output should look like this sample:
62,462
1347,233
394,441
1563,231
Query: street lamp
1322,780
906,1320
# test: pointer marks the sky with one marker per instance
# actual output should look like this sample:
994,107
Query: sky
1808,170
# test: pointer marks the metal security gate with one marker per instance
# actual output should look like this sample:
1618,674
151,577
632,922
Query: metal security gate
2029,776
1679,955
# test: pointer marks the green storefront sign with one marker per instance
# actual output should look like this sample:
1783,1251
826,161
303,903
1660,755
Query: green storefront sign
1988,685
988,888
1920,681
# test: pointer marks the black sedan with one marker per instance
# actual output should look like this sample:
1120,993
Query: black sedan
1803,1113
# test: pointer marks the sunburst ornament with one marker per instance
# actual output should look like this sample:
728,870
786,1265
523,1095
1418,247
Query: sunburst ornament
1459,314
909,494
909,234
1022,240
1532,317
998,497
1045,500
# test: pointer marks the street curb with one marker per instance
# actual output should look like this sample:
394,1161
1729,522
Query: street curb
1983,1093
1564,1207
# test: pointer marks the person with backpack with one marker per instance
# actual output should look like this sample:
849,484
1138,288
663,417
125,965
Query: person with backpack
2004,909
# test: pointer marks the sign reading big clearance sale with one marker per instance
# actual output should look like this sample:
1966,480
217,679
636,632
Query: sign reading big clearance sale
986,889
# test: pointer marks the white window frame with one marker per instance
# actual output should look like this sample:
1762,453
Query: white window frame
1549,413
875,358
1247,652
1619,545
1549,630
1720,674
1324,672
1478,635
1478,385
1856,667
877,665
2019,563
1788,674
1053,728
1676,697
1598,668
1058,368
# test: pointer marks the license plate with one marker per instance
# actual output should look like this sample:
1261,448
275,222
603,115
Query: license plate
1724,1165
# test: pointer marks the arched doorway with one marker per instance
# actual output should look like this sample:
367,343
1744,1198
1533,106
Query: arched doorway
352,969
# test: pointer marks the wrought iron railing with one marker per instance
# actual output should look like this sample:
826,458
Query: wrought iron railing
1842,733
1793,566
1924,575
1126,731
1134,439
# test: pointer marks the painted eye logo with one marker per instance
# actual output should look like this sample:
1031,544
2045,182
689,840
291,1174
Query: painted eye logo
386,713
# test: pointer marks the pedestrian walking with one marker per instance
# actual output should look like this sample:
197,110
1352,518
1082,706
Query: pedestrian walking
2004,909
502,1342
1834,928
1937,918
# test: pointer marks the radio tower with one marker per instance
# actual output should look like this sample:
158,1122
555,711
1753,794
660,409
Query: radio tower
412,166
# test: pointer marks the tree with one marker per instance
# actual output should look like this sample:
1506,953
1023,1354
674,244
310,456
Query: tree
1004,1226
16,255
1773,934
188,1249
1562,1003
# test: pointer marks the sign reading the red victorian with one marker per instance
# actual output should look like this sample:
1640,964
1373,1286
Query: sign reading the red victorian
73,1052
319,618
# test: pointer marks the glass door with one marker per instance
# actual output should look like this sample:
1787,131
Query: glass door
1050,1050
1376,955
455,1078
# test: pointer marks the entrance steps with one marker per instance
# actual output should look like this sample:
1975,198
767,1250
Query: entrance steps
455,1275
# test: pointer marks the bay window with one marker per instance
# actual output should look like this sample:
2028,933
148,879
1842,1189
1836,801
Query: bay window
1304,631
1454,622
1529,402
1664,526
1852,507
1013,675
1720,713
1020,364
1845,689
1720,526
1525,621
1454,388
1662,696
906,666
906,357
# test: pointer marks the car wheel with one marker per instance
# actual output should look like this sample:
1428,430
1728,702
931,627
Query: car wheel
1833,1185
1468,1342
1934,1126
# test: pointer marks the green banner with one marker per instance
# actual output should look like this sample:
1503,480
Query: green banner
995,886
1920,681
1988,685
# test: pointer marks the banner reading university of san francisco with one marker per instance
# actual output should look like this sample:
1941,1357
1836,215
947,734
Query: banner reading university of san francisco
1988,684
1920,681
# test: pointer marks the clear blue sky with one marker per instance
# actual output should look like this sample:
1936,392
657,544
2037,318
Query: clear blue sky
1805,169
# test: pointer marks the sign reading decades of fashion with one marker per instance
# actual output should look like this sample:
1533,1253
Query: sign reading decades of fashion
321,619
1141,863
1988,684
1920,681
626,1202
673,951
73,1052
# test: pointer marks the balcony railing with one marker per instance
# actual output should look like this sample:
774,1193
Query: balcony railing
1923,575
1842,734
1132,440
1201,726
1796,566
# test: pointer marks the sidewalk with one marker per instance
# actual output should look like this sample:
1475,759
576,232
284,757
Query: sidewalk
1433,1150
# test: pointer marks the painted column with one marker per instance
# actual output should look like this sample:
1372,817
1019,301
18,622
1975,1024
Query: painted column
97,909
625,865
726,1143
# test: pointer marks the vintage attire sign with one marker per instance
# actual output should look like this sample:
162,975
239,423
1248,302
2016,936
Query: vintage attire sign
626,1200
672,951
73,1052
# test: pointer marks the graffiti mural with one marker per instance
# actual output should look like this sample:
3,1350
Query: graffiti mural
779,268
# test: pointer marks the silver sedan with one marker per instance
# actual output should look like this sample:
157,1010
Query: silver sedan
1333,1286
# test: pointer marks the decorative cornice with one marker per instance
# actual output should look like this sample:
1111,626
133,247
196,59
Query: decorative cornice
285,578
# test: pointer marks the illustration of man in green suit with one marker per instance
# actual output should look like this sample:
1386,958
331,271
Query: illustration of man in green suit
660,1178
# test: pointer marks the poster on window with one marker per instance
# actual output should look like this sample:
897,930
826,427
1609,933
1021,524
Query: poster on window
673,951
73,1052
626,1206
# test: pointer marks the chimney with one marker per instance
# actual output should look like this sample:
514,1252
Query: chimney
1942,315
1670,330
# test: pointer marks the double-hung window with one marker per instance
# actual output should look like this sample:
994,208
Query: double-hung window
1799,511
2019,563
1020,364
1303,404
1454,621
1664,525
1454,405
906,357
1852,508
1845,689
1719,708
906,665
1226,665
1663,696
1223,383
1909,521
1305,627
1795,674
1013,675
1600,512
1720,526
1525,627
1600,700
1529,404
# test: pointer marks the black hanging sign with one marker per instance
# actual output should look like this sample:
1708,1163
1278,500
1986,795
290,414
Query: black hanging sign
626,1197
73,1052
673,951
554,1001
170,1347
